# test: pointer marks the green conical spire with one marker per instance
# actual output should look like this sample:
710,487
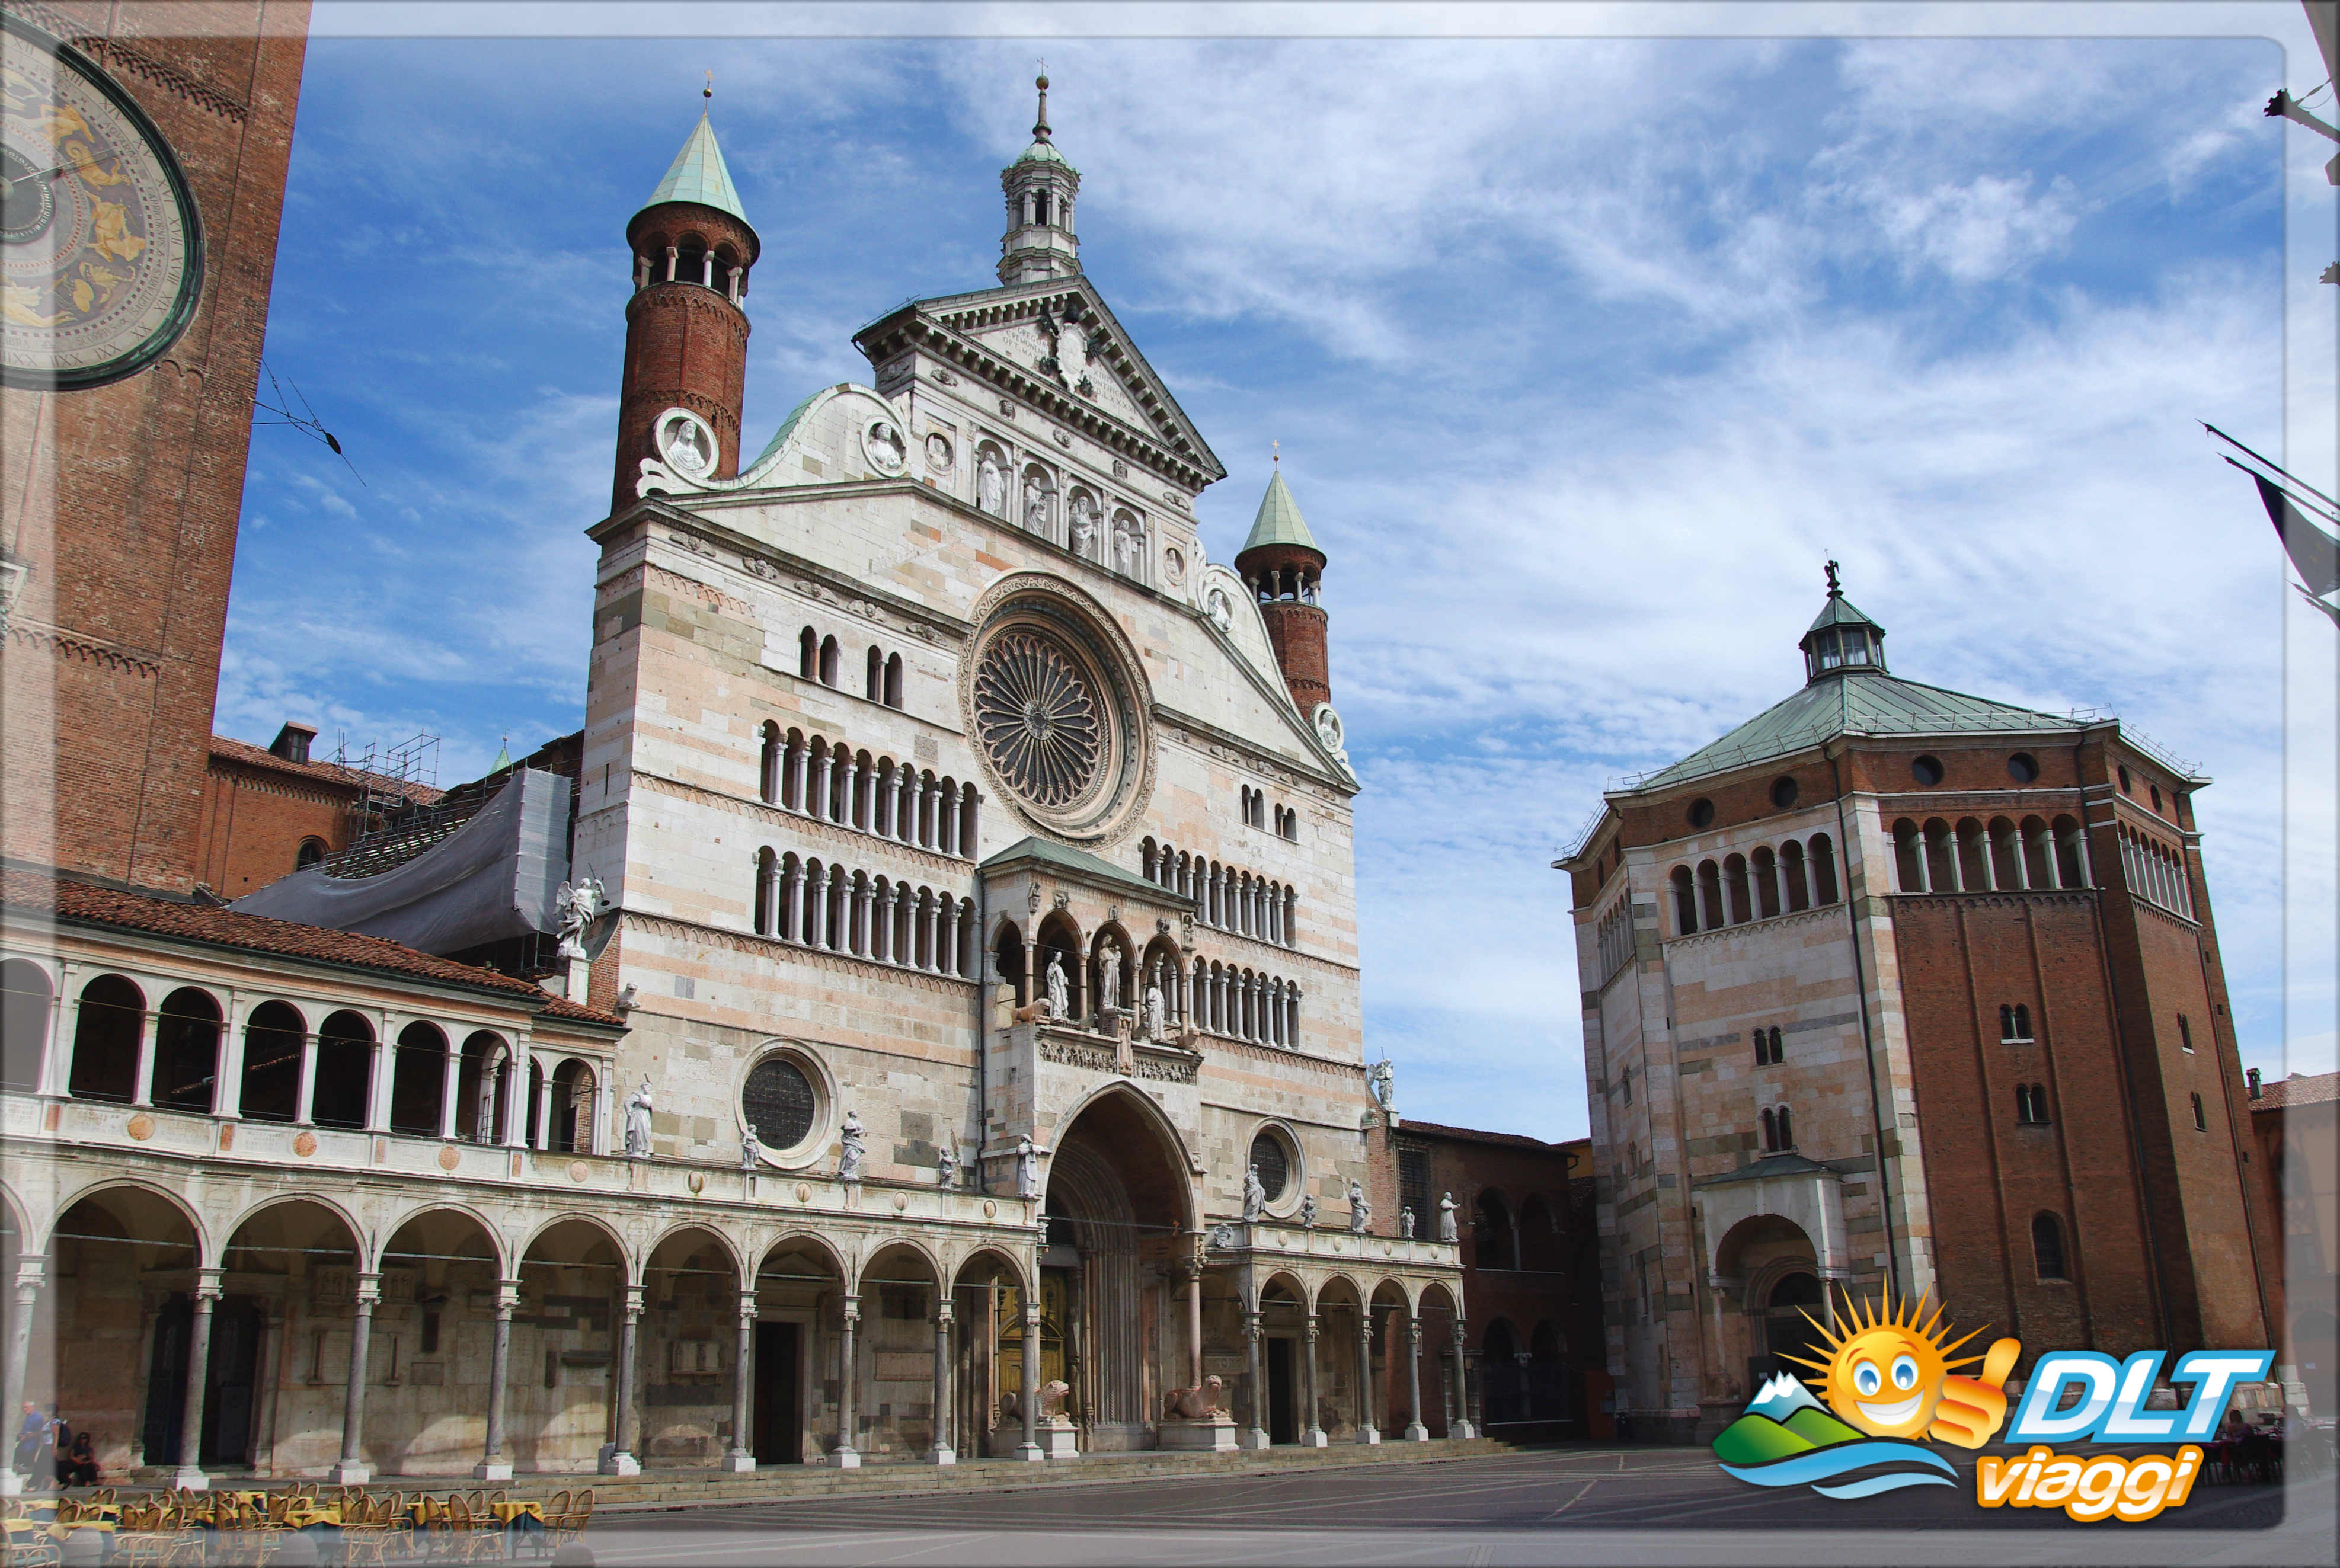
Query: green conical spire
1837,611
698,175
1279,521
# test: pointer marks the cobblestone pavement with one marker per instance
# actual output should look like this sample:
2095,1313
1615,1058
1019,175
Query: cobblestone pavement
1573,1505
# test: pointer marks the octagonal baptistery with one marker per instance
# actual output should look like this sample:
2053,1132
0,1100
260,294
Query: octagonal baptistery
981,889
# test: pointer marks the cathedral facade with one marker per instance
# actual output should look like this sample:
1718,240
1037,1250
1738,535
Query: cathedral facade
1898,991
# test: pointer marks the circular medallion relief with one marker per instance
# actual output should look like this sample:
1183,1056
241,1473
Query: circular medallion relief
882,444
101,246
939,451
1174,564
685,443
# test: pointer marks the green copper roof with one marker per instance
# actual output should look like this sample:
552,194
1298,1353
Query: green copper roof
1279,521
1042,152
698,175
1862,702
1839,612
1077,862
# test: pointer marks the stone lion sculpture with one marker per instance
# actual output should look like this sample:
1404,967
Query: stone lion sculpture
1052,1400
1194,1404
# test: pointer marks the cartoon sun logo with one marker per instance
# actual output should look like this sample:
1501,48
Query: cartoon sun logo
1889,1373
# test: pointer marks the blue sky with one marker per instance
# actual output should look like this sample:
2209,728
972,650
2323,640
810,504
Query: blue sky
1583,352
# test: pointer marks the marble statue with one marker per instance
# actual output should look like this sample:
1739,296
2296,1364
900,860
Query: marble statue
1028,1167
577,905
1036,505
1446,1206
637,1123
1108,997
1382,1079
1060,990
1084,527
751,1150
946,1170
1308,1211
1360,1212
1405,1222
1123,550
1194,1404
1255,1194
850,1149
992,487
1156,1024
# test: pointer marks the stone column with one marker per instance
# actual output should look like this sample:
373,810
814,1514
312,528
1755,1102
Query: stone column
1416,1432
142,1090
29,1273
189,1475
1311,1435
516,1096
816,930
741,1459
1367,1431
381,1074
449,1076
844,1455
942,1451
825,810
1194,1319
305,1097
494,1466
352,1470
1462,1428
1257,1438
1029,1401
544,1111
618,1458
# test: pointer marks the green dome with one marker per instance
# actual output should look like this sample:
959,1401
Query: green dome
699,176
1041,153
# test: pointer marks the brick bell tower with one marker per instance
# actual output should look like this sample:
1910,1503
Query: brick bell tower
686,326
1285,570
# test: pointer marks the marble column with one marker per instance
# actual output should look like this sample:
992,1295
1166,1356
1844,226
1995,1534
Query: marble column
189,1475
1459,1425
942,1453
304,1096
1367,1431
844,1455
449,1076
1028,1402
618,1458
352,1470
1256,1437
741,1458
544,1110
1416,1432
494,1466
516,1096
1311,1435
141,1089
29,1273
1195,1320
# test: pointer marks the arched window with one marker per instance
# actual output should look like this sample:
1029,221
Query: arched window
831,659
873,684
808,654
105,1041
1685,902
1764,867
344,1072
418,1081
2006,1022
1791,872
2201,1122
2006,855
272,1064
1771,1131
186,1050
1734,880
1770,1048
766,894
2071,867
893,693
24,1023
1908,856
1787,1130
767,775
1710,896
2185,1034
2031,1104
2048,1247
1823,863
2039,854
1490,1232
311,851
2022,1022
572,1107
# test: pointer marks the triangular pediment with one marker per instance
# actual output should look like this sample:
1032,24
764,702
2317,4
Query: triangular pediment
1057,345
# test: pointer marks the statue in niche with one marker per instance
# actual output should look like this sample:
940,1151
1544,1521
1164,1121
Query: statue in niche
637,1123
1360,1212
1255,1194
1219,609
1446,1208
1158,1026
1108,997
751,1149
1060,990
1036,505
1124,551
1405,1222
1028,1167
1308,1211
1085,516
992,487
850,1149
946,1170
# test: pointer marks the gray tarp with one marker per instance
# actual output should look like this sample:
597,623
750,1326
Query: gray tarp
496,876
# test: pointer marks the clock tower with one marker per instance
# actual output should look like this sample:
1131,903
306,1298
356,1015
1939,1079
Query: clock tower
145,152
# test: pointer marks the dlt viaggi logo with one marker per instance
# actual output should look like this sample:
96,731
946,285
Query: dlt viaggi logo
1888,1378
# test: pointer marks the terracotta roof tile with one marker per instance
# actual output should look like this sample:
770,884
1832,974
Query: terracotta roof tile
1472,1135
2299,1089
245,754
88,904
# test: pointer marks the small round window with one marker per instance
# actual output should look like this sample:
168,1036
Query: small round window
2023,768
1783,793
1702,813
1274,1167
778,1103
1927,770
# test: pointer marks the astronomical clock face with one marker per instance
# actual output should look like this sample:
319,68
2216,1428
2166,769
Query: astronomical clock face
101,248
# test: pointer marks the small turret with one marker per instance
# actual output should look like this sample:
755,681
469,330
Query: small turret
686,327
1841,641
1286,571
1040,185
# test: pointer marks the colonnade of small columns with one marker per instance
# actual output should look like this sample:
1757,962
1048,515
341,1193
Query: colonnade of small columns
830,782
816,904
1226,898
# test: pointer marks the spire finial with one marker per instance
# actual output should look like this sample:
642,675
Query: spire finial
1276,449
708,91
1836,590
1040,127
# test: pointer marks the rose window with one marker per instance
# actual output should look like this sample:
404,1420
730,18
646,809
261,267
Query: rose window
1038,719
